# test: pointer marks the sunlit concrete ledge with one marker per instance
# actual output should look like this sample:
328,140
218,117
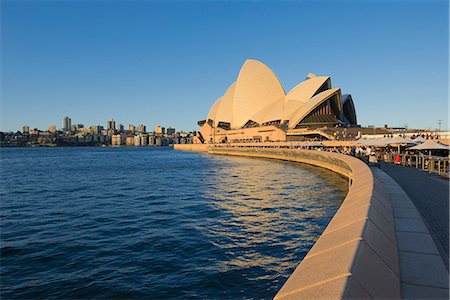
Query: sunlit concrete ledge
192,147
356,255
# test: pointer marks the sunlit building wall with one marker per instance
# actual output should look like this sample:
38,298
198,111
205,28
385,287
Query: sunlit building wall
66,123
52,128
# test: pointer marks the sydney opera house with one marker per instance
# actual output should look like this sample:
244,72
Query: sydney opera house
256,108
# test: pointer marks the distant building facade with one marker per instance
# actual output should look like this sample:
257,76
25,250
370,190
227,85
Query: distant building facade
151,139
170,131
141,128
118,139
66,124
111,124
144,139
137,140
52,128
160,130
130,140
96,129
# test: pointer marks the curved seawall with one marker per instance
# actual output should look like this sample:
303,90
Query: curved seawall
356,255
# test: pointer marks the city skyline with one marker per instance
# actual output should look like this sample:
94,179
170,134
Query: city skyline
74,58
77,134
106,125
66,124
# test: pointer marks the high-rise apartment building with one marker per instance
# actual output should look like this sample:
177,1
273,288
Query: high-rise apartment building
131,128
111,124
78,127
25,129
66,123
137,140
160,130
170,130
118,139
96,129
34,131
144,139
151,140
130,140
141,128
121,129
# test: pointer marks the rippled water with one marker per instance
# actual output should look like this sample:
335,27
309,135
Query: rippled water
156,223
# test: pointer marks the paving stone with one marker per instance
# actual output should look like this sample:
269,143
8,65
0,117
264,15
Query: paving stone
399,197
423,275
401,212
429,194
402,204
423,269
410,225
410,291
416,242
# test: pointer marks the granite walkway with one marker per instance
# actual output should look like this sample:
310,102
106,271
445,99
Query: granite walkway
423,274
430,194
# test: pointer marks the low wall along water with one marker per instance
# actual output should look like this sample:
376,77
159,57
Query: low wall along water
356,255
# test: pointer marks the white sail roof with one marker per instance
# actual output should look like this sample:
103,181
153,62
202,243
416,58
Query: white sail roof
310,105
257,95
213,111
225,113
256,87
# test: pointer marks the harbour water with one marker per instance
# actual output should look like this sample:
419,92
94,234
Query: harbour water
156,223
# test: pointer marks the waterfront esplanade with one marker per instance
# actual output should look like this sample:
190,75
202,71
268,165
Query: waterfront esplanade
256,108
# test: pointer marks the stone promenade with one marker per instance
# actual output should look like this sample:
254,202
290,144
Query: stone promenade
430,194
423,270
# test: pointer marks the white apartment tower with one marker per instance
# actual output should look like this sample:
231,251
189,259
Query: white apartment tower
66,123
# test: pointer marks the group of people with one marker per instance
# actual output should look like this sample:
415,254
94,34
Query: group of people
427,136
370,154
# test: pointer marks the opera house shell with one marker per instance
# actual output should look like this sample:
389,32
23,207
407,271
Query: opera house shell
256,102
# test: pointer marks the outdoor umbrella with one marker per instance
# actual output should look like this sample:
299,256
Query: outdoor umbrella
401,141
364,142
420,140
430,145
313,144
374,142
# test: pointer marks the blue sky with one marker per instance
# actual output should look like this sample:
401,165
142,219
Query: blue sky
166,62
